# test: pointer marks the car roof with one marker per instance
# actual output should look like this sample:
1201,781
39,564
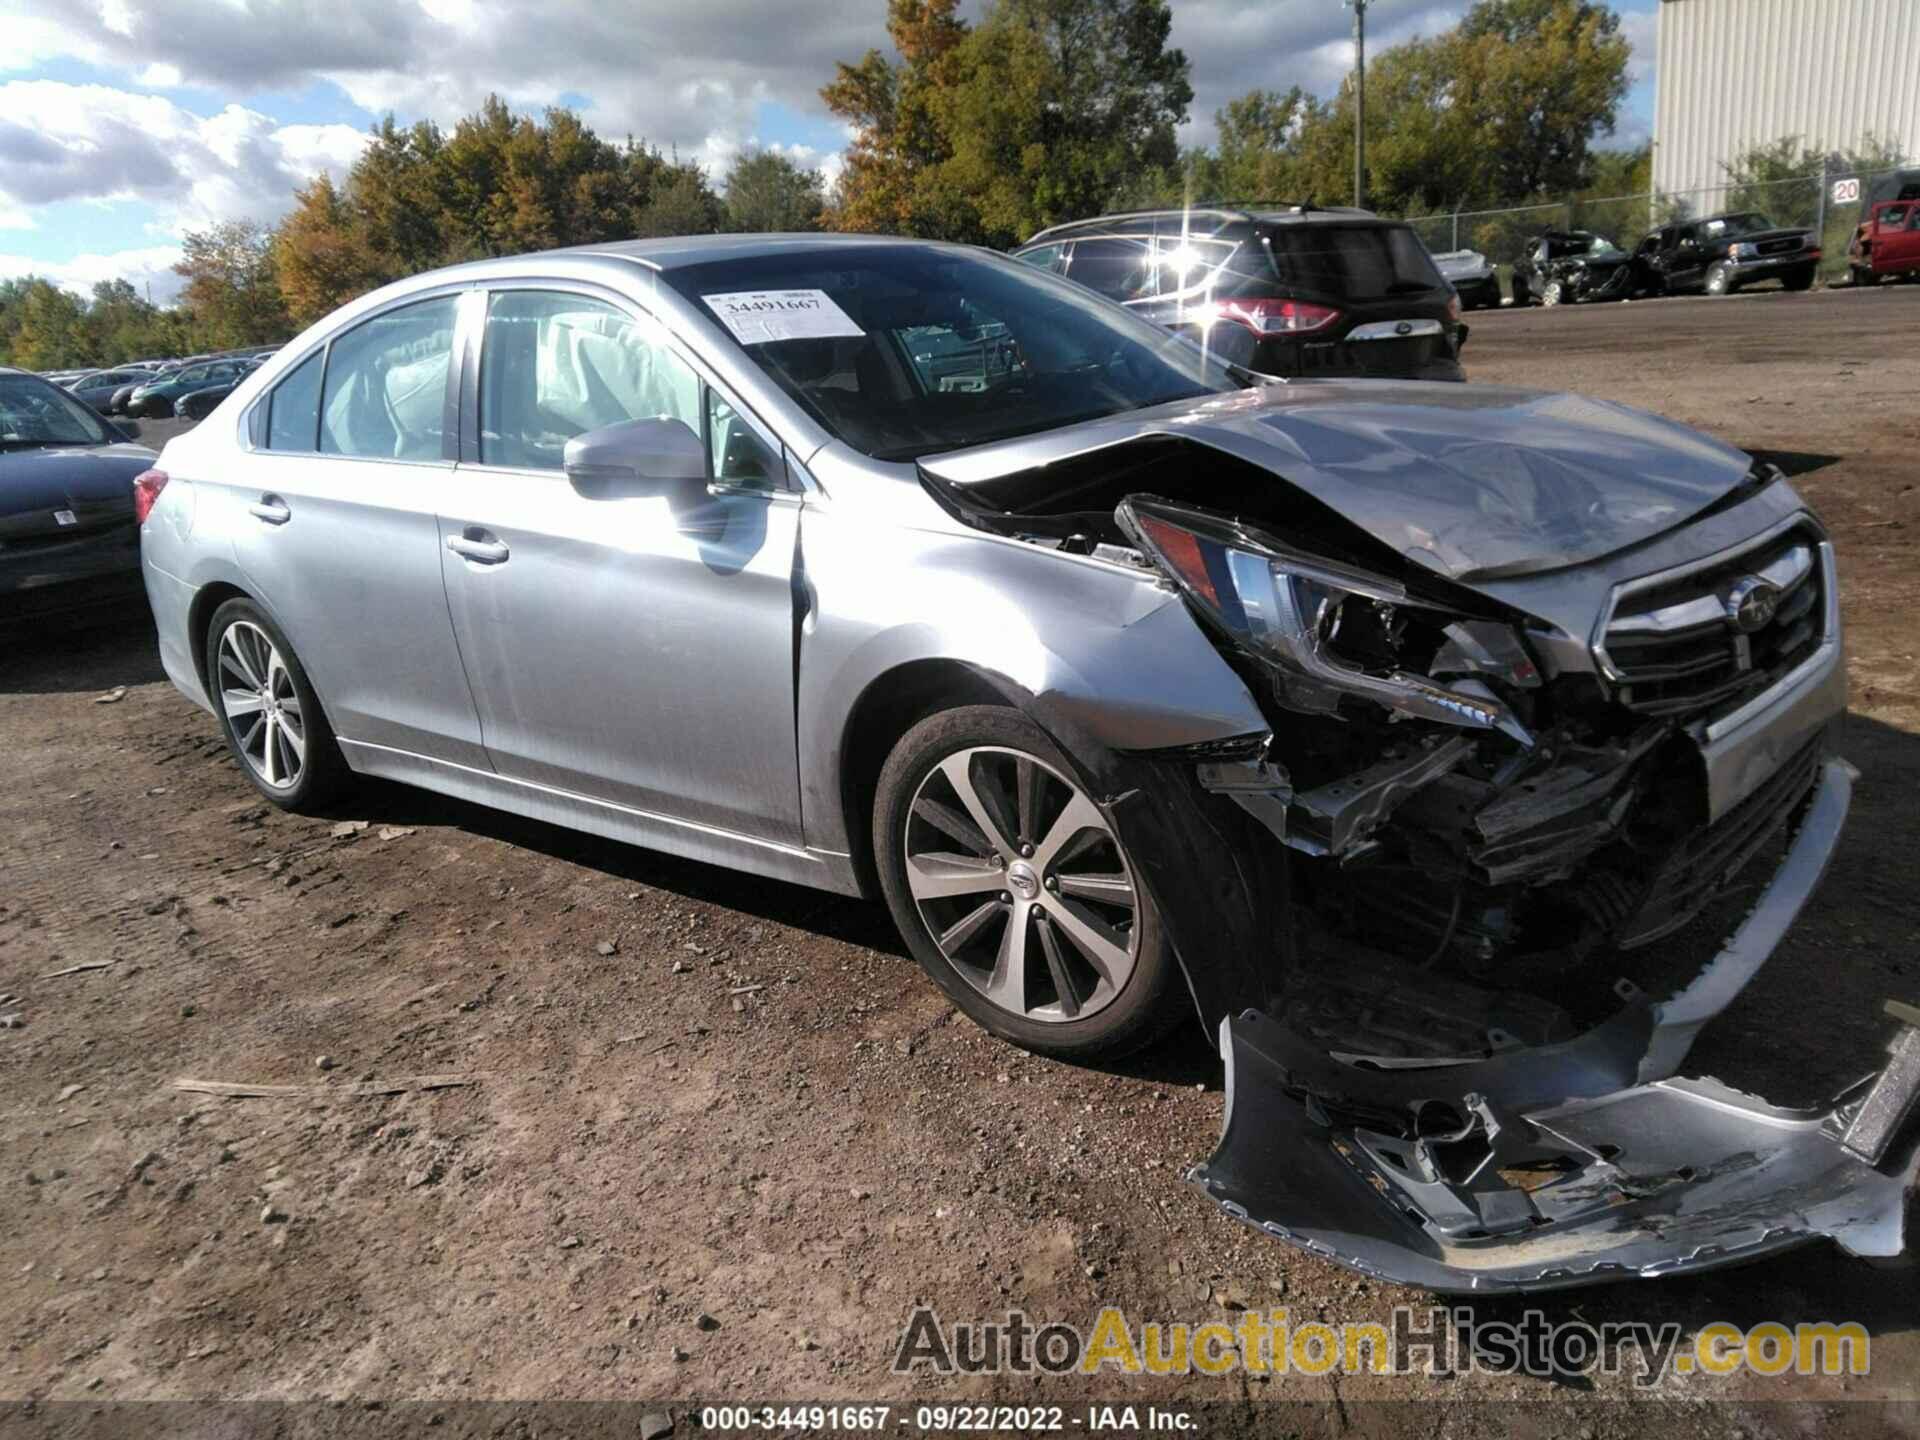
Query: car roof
1221,213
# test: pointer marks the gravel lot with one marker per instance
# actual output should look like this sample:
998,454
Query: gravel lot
698,1095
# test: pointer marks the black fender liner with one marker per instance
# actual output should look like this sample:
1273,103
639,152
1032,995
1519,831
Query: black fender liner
1217,878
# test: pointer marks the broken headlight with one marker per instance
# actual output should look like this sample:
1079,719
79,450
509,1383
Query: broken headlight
1328,630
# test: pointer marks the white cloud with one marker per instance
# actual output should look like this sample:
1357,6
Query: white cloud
97,143
659,70
149,270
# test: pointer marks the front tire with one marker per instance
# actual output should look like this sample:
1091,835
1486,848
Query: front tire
1014,892
1719,281
273,721
1553,294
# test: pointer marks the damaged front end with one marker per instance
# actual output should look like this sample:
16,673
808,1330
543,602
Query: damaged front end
1459,1086
1509,862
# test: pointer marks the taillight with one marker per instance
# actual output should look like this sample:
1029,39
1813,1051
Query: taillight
1276,317
147,486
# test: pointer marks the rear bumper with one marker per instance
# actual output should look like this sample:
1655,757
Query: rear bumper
1407,1172
83,581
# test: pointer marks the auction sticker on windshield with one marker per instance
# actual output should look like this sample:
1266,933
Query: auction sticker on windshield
758,316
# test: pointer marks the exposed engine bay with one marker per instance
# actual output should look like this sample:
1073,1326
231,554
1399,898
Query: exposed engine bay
1495,838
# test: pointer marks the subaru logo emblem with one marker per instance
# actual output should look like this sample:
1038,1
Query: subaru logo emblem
1405,327
1752,603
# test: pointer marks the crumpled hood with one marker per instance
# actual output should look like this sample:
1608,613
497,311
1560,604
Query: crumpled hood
1470,481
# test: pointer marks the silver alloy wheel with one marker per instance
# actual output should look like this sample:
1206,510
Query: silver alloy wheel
259,701
1022,884
1553,294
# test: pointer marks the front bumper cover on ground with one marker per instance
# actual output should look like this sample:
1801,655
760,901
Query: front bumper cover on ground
1567,1164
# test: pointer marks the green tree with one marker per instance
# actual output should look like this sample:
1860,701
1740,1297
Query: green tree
1053,107
43,327
680,203
766,191
1543,79
231,292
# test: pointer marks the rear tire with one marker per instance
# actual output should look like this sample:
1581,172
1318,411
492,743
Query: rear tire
1090,974
274,724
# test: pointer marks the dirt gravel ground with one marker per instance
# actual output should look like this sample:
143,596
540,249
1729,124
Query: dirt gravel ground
721,1135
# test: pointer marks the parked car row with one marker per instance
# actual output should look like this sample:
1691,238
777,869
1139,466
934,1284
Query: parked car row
1306,291
155,389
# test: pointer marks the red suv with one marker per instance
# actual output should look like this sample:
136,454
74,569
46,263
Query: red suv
1887,244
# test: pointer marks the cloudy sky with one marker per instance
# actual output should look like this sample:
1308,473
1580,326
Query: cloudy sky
124,123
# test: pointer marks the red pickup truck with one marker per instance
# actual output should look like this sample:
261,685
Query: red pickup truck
1888,243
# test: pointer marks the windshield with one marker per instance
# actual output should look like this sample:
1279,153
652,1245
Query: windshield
33,412
1748,224
904,351
1352,262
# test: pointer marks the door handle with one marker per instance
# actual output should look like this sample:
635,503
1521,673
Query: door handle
272,509
479,547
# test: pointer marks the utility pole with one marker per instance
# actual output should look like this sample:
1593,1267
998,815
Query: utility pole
1359,101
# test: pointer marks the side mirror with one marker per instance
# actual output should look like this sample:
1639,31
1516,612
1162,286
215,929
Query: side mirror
129,429
661,456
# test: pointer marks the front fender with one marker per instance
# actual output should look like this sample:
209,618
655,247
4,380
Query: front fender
1113,667
1109,653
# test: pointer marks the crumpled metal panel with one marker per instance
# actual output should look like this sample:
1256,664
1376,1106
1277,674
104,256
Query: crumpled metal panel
1660,1179
1459,479
1570,1163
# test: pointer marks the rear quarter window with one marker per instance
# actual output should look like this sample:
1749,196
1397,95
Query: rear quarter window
1353,262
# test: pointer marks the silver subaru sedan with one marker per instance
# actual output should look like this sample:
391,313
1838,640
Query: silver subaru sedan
1391,729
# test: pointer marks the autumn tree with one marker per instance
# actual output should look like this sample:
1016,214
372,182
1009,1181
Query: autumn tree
889,103
322,258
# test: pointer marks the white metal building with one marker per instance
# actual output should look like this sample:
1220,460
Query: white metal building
1734,73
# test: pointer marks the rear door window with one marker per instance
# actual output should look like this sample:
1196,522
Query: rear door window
1120,268
1353,262
386,387
293,409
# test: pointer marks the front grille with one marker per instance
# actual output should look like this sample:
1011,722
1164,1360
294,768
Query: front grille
1703,863
1677,648
1779,247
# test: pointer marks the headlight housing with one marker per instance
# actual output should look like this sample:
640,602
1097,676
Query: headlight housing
1743,251
1326,629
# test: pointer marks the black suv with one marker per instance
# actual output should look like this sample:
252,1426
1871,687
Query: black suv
1286,290
1722,253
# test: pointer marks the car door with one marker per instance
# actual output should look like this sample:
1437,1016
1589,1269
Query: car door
332,517
1898,247
1687,269
618,649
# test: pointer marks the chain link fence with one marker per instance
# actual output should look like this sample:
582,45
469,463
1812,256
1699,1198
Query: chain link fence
1829,204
